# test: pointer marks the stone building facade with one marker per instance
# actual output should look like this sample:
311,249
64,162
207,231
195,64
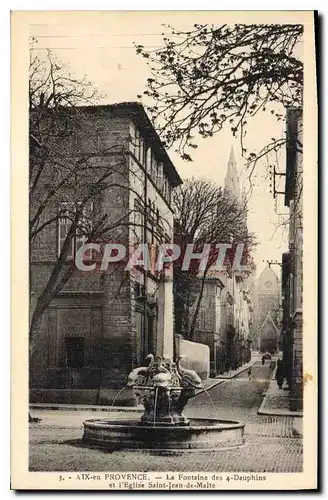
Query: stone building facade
268,298
103,324
292,260
236,319
208,324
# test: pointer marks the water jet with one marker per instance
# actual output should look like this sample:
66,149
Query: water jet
164,388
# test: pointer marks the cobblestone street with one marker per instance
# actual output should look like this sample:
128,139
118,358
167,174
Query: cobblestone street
270,443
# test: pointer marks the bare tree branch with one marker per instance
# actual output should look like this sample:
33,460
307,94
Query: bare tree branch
215,76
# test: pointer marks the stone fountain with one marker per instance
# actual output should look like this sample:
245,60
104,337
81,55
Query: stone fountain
164,388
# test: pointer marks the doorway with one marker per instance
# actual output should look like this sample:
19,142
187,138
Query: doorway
146,337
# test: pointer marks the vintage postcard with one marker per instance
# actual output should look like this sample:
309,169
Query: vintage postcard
164,242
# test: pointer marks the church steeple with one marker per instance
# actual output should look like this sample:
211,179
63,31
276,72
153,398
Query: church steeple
232,156
232,186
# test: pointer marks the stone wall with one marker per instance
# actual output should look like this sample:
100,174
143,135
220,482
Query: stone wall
296,401
195,356
98,307
294,119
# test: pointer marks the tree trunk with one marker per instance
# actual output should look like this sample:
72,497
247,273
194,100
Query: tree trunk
40,309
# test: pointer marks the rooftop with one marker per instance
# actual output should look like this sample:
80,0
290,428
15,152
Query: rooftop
138,115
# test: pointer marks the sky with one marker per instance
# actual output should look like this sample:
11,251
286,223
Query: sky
100,45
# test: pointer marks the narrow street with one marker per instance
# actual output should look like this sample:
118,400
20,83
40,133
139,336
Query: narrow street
239,399
270,444
235,399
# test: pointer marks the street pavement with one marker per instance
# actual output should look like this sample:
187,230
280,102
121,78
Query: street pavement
271,444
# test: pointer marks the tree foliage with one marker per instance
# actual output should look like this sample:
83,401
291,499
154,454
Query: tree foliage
215,76
205,214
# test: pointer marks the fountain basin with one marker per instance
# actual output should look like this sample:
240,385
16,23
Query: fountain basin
200,434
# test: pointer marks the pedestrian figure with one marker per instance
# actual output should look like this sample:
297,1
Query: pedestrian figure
280,373
263,359
249,372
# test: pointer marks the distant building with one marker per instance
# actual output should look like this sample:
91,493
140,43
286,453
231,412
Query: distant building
269,335
267,299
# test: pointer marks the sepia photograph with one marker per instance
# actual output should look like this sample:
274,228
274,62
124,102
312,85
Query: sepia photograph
168,314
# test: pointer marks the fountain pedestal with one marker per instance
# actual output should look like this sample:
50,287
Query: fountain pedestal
163,406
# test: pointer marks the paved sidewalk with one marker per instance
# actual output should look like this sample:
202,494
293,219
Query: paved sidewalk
234,373
86,407
276,402
209,383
